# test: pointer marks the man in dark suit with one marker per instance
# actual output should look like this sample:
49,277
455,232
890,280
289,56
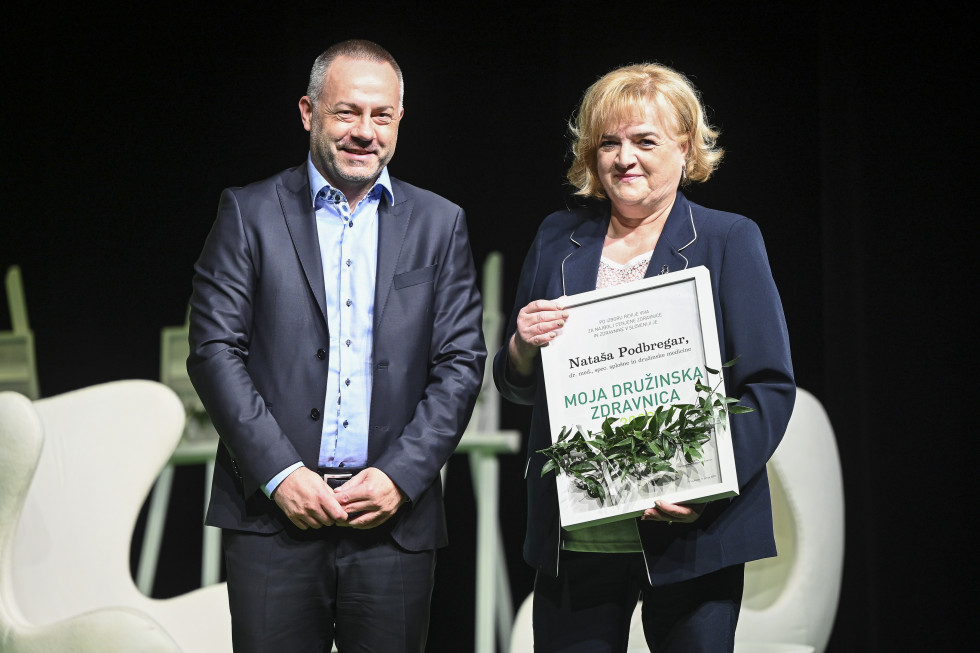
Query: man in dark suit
336,344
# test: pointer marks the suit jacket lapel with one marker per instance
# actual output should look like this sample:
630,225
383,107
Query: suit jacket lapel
297,209
579,269
678,234
392,227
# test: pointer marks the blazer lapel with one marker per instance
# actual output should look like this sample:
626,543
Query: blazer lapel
392,228
297,209
677,235
579,269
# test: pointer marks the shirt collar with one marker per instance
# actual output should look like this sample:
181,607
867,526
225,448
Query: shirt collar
318,183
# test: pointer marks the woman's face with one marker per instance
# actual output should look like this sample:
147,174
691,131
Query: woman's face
640,162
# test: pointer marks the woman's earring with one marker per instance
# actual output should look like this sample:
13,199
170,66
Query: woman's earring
684,173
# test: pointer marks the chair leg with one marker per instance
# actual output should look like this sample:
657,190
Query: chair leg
211,548
153,532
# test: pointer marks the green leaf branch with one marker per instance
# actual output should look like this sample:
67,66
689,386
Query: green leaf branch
640,447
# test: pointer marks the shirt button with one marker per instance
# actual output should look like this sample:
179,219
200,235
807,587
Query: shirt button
314,414
350,224
347,342
321,354
349,262
345,423
349,302
347,382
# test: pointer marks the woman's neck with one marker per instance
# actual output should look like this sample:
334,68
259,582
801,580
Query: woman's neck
628,237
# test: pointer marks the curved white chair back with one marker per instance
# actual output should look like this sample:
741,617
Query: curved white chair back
104,446
793,598
110,630
522,634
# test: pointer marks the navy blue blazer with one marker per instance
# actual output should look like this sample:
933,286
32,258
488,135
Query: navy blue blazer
564,260
259,348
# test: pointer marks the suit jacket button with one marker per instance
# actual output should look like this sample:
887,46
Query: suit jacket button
321,354
315,414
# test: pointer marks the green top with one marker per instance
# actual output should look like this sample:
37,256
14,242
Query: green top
612,537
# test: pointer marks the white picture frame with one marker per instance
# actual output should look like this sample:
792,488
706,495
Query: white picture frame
623,351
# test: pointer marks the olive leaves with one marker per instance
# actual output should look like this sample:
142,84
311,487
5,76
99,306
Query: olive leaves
641,447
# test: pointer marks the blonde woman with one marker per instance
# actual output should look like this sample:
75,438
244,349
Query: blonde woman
639,136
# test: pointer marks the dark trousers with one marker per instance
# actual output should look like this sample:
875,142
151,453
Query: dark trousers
588,607
298,591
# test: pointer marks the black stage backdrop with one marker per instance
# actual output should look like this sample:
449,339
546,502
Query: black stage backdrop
845,131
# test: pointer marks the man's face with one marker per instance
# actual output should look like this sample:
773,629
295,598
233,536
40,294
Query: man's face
354,127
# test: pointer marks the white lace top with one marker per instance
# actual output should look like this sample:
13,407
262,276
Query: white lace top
613,274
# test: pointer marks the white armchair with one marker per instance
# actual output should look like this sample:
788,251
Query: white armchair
67,564
790,601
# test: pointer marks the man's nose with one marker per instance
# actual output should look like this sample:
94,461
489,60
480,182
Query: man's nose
363,129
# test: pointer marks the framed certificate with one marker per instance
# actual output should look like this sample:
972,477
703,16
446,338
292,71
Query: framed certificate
624,352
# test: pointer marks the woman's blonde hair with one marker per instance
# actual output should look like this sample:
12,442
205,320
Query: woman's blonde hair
622,95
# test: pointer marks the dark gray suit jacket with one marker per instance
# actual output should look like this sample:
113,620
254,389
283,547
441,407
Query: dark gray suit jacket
259,348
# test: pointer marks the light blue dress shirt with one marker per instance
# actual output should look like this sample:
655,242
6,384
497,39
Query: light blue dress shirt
349,254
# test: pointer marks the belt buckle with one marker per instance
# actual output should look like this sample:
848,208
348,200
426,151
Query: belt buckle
336,480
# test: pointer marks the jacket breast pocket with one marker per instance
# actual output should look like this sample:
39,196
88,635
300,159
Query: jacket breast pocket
415,277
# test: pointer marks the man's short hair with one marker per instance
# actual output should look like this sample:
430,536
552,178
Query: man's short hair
358,49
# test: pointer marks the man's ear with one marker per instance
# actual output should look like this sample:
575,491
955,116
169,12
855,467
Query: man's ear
306,112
